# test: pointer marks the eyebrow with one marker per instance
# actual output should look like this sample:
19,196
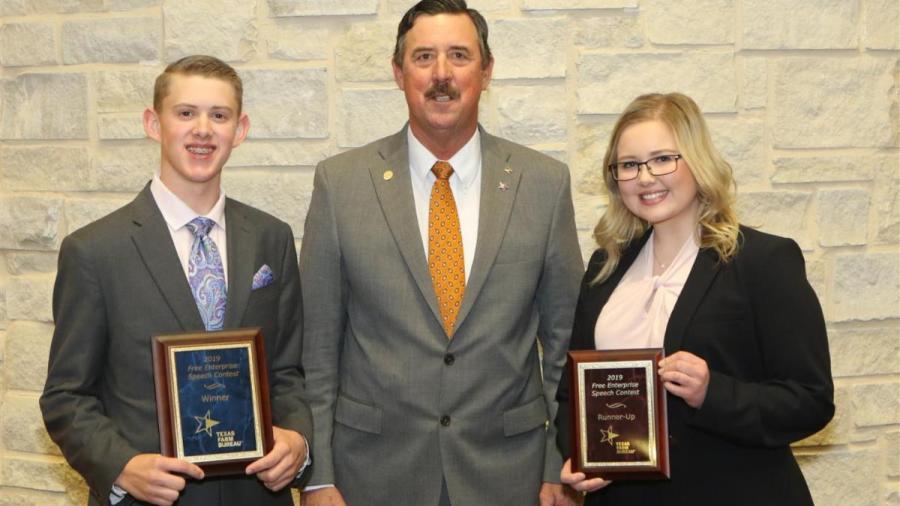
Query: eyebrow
215,107
654,153
423,49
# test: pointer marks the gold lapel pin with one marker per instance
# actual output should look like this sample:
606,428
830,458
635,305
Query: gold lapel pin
388,175
508,169
502,186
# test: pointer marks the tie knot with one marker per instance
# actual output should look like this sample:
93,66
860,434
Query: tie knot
200,226
442,170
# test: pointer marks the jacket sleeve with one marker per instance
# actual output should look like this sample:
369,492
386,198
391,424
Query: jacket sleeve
794,398
324,302
71,402
556,297
582,339
289,410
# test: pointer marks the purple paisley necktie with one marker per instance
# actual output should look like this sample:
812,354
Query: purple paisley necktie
206,274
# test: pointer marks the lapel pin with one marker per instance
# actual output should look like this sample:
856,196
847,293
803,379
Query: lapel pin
508,169
388,175
502,186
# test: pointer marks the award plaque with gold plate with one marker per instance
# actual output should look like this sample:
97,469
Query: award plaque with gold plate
618,414
212,398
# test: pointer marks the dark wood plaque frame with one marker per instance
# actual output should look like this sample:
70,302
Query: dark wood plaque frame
612,470
164,380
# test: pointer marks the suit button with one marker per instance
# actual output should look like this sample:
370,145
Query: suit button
449,359
445,420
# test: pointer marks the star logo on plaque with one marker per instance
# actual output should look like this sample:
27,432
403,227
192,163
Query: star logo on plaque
205,424
608,435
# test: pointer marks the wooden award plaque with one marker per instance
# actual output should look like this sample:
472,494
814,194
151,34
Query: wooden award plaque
212,398
618,414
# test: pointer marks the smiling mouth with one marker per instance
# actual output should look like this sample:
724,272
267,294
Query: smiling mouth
442,92
654,195
200,150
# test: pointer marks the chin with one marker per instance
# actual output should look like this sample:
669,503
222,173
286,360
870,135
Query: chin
441,122
203,175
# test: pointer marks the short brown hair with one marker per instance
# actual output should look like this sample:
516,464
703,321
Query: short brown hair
198,65
433,8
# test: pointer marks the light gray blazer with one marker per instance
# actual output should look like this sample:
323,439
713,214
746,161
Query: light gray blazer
397,407
119,283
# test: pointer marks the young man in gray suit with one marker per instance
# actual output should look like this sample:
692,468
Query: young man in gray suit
179,258
434,261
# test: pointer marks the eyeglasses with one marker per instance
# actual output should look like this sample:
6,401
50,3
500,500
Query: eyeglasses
656,166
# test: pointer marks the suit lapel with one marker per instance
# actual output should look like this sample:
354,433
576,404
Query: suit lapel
493,216
154,244
702,275
241,253
398,205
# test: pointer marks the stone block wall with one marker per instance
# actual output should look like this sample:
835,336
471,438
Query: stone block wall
802,97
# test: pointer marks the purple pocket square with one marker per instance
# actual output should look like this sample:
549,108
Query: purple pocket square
263,278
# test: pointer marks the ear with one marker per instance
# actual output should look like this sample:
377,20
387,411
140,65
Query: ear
398,74
486,74
243,126
151,124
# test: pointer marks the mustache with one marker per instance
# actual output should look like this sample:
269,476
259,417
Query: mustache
441,88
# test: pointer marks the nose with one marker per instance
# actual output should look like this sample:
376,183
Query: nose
644,176
201,126
441,68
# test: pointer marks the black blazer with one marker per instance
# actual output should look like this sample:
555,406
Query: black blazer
758,324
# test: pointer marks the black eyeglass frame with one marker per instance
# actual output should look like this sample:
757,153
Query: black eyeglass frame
645,163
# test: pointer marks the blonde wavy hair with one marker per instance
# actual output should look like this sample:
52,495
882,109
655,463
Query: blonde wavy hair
719,228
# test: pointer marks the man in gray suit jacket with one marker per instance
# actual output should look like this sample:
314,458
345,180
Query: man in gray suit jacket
125,278
414,404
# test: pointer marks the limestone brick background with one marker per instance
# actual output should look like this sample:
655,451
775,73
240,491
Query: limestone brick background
801,95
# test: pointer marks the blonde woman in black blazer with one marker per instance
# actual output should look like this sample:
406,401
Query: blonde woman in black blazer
747,369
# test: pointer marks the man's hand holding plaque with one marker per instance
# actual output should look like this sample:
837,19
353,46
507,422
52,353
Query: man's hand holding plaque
280,466
155,479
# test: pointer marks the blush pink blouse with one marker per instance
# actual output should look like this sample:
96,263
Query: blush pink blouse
638,310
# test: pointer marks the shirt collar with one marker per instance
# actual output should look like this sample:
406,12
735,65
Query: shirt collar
178,214
466,162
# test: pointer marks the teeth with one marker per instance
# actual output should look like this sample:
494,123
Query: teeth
654,195
199,151
442,98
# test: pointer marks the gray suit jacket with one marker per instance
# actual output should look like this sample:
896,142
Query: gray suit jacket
120,282
396,405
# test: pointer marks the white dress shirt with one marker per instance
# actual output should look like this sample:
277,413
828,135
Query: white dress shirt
637,313
465,183
177,215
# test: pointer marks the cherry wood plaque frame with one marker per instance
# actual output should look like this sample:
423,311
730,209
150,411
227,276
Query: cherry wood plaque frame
608,402
167,401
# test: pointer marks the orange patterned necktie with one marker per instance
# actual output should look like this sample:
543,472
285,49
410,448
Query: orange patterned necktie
445,247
